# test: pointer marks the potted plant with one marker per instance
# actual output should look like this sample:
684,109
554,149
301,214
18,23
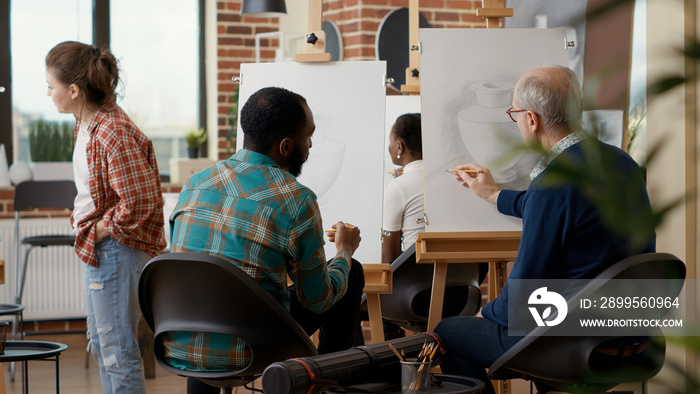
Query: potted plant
194,140
51,149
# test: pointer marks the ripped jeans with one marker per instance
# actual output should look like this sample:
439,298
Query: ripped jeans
113,315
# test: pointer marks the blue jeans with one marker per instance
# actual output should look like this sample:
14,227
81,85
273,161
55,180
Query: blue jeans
113,315
473,344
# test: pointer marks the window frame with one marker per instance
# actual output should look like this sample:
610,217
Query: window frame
5,80
101,37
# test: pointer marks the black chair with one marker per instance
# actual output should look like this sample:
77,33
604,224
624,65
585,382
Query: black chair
201,293
596,363
408,305
37,195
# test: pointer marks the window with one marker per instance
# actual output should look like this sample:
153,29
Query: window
157,44
156,41
66,20
638,100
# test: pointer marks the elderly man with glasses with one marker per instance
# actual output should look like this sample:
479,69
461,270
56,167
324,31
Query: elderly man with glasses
563,236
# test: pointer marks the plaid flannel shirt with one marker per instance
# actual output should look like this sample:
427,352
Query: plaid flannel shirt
124,184
252,213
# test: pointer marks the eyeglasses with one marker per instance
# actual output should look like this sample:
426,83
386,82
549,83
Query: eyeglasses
511,111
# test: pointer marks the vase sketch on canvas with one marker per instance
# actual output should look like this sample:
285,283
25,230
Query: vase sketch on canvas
486,131
325,158
468,79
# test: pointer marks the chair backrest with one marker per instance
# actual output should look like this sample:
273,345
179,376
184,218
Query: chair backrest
567,362
409,303
202,293
44,194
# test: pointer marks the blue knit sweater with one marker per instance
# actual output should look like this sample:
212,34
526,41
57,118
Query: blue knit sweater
563,237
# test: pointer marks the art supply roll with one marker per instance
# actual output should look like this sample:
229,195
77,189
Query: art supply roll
361,364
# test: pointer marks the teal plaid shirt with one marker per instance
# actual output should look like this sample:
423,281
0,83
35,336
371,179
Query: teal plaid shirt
252,213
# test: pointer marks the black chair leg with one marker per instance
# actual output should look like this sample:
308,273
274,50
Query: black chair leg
20,292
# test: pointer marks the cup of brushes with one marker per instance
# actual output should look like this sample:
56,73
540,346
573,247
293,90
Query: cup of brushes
415,372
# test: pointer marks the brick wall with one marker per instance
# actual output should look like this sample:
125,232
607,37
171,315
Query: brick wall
236,45
7,196
358,21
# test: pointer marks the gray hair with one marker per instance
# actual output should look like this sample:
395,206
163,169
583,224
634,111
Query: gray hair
555,96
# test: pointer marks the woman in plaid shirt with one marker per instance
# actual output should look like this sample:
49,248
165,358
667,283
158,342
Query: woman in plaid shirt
118,214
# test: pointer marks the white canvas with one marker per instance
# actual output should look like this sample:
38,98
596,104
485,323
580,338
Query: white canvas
467,81
345,165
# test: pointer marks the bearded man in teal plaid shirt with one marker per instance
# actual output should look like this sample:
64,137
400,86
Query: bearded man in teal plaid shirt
252,211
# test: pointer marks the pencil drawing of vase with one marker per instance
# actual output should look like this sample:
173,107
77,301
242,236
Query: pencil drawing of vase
487,131
325,159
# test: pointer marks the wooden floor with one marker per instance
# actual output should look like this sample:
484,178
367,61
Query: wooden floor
75,378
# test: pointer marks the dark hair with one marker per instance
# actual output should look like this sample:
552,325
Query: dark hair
407,127
95,71
270,115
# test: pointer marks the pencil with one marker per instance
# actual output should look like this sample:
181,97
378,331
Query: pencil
391,172
349,227
468,171
433,353
396,352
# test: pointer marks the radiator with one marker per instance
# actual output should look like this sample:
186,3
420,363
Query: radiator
54,285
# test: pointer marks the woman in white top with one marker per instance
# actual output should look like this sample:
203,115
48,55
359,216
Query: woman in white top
403,198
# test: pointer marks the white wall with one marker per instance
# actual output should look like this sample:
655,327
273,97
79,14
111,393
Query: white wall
673,173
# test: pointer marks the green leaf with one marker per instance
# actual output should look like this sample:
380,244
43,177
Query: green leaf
665,85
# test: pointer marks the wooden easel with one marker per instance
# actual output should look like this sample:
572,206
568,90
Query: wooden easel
315,47
412,85
444,248
495,247
378,280
492,11
468,247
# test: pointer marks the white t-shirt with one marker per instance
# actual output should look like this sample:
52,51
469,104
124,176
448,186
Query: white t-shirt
403,203
83,201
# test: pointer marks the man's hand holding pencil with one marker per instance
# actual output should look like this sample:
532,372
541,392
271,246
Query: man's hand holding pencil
345,236
479,179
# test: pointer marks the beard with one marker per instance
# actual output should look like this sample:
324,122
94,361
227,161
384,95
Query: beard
296,162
